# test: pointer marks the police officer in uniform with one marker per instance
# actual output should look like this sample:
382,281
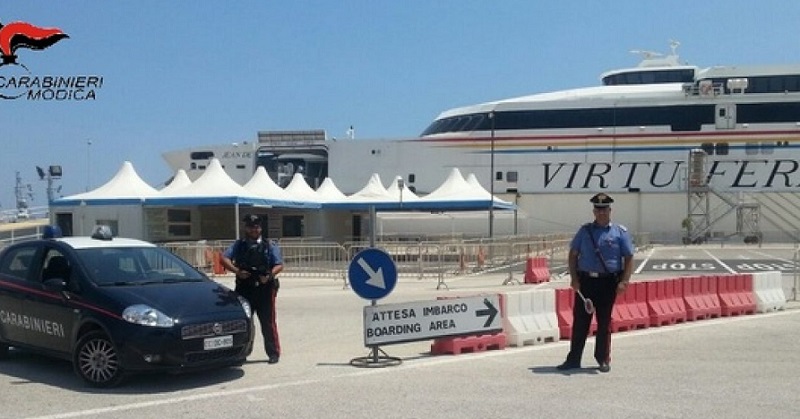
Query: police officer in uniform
600,267
256,262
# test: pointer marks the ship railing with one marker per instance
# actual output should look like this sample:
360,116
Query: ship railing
703,89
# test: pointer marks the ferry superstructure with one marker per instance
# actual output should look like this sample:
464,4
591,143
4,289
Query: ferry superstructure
633,133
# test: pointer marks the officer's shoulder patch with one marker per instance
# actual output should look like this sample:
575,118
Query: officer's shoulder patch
622,227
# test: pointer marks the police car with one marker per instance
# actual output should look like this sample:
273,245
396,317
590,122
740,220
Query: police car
117,306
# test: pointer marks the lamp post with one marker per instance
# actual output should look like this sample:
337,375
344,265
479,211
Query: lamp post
401,184
88,163
491,179
516,208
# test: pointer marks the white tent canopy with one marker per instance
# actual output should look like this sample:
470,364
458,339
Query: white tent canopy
215,187
299,189
328,192
179,181
125,187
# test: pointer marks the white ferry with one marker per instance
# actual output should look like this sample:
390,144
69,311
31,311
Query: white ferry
670,141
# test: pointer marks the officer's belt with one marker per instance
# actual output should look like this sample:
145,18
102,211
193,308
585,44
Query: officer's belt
599,275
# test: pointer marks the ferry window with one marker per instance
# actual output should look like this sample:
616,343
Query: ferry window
411,178
751,148
722,149
193,166
498,176
758,85
708,148
776,84
201,155
722,112
512,176
463,123
449,125
767,148
474,122
240,166
201,167
791,83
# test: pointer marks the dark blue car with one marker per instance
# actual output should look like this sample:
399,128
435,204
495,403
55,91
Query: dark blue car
118,306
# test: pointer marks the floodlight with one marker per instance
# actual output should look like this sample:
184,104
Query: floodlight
55,171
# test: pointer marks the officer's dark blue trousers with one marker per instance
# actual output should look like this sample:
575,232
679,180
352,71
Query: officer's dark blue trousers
602,292
262,301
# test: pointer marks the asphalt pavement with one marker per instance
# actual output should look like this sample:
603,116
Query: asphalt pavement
737,367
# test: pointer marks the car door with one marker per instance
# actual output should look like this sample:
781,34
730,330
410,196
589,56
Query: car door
16,266
48,306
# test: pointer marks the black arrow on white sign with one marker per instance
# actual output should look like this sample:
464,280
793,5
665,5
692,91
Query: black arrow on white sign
490,311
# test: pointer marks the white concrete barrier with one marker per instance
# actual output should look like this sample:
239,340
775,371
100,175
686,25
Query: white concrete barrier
530,317
768,290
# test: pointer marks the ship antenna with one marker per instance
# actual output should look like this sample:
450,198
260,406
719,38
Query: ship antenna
673,45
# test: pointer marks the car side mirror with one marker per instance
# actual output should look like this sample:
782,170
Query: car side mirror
55,284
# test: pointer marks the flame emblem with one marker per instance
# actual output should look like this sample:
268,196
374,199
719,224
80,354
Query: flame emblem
17,35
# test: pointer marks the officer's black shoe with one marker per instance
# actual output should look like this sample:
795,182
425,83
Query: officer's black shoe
604,367
568,366
273,360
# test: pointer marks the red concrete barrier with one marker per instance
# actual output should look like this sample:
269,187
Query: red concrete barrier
471,343
537,270
565,299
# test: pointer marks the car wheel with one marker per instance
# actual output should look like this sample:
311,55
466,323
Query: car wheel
96,360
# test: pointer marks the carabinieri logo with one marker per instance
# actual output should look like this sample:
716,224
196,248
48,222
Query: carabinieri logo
16,80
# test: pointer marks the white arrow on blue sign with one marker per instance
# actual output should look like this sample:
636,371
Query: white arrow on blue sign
372,274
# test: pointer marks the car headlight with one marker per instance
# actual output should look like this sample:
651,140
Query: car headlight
147,316
245,306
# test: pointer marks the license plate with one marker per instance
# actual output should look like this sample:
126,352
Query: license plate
218,342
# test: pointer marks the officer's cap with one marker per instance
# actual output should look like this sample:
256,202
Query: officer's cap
251,220
601,200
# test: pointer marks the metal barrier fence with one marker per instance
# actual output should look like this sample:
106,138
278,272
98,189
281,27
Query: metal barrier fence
435,260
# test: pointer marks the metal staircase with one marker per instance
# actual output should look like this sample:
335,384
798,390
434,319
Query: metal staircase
707,208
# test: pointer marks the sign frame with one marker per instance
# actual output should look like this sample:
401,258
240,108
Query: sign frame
425,320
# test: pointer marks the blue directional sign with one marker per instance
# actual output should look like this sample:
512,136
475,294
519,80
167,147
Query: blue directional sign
372,274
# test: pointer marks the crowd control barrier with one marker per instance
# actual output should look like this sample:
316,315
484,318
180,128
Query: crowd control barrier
700,296
630,309
218,268
665,304
768,291
530,317
565,300
736,294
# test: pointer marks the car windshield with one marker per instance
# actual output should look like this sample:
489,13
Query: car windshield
136,266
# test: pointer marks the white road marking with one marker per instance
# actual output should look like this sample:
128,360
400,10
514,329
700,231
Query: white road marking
718,260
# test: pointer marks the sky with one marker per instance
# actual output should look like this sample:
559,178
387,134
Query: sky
180,74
